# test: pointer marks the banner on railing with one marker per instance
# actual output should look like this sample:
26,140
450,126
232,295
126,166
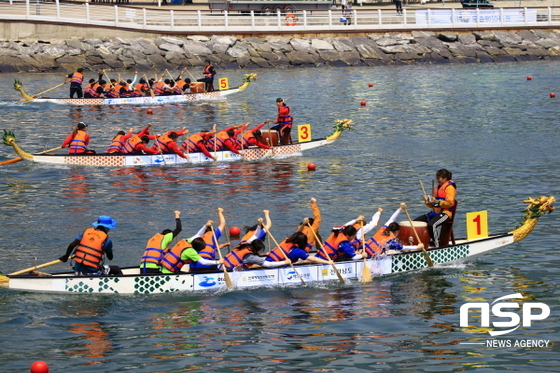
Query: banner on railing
467,16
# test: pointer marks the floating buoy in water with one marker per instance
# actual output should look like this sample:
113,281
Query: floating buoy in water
370,85
149,111
362,103
529,77
39,367
311,167
552,95
234,231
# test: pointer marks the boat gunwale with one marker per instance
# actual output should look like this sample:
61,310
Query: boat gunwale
61,275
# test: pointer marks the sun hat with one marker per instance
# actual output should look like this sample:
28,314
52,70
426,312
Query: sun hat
105,221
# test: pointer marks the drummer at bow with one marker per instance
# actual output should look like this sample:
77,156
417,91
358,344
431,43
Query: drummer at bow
442,203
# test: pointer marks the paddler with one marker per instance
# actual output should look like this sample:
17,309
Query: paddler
199,142
211,239
167,143
339,243
295,249
252,137
90,247
78,140
226,139
137,144
156,247
118,142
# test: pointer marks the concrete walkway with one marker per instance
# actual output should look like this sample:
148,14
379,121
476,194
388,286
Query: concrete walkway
203,5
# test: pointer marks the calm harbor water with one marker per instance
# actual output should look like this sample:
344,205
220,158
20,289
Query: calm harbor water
494,129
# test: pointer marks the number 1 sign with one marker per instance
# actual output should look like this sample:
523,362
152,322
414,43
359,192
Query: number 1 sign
477,224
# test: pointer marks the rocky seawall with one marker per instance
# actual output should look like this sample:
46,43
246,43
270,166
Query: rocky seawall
229,52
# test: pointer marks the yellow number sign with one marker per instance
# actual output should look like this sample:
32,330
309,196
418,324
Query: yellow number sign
223,83
477,224
304,132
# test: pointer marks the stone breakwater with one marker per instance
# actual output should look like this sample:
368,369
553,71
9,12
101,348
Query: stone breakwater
229,52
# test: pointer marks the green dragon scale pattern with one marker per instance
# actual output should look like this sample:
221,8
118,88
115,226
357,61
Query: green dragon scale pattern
142,285
415,261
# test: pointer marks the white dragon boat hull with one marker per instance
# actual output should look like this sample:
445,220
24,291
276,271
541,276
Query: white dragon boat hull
131,282
145,100
110,160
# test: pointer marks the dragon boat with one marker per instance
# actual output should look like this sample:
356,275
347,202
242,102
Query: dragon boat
144,100
129,160
389,263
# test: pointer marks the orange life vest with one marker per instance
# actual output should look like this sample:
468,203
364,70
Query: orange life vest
235,258
246,237
172,260
276,254
77,78
78,143
158,89
246,139
208,71
161,143
181,84
89,251
116,145
154,251
209,252
221,137
440,195
91,89
111,91
130,145
191,143
331,245
376,244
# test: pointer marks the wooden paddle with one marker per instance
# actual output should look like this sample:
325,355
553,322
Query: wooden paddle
19,159
426,255
227,277
47,90
286,256
327,255
152,94
30,269
366,272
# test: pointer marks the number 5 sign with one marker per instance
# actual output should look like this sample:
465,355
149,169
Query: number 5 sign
223,83
304,132
477,224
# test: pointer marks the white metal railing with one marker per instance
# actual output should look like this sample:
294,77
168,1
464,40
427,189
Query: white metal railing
143,19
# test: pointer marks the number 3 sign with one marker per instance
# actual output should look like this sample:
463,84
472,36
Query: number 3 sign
477,224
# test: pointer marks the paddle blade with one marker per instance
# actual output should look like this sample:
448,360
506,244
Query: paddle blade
10,161
366,274
227,279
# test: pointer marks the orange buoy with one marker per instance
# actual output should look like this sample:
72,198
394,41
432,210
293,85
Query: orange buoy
234,231
362,103
552,95
529,77
311,167
370,85
149,111
39,367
